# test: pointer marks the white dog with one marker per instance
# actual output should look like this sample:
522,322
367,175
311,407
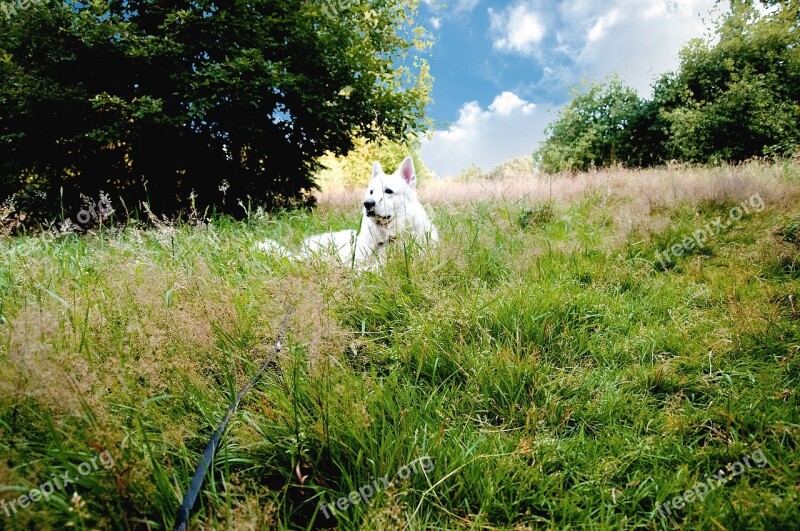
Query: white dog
391,210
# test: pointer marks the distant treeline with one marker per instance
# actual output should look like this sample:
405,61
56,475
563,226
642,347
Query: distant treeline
734,97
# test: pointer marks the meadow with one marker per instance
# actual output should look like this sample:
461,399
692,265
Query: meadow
539,368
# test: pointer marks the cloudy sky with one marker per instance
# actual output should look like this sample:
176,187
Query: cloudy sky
503,68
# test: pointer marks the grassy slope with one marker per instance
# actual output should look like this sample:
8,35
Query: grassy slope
553,375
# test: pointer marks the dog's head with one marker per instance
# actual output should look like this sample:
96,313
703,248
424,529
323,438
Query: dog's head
387,195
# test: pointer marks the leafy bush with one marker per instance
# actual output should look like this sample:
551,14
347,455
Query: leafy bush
790,232
353,170
739,97
154,101
593,130
539,214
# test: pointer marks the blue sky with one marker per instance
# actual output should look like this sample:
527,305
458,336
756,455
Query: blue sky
503,68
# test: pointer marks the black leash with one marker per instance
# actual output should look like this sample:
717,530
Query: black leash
190,498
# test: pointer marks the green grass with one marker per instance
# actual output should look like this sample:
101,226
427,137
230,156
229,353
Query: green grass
553,372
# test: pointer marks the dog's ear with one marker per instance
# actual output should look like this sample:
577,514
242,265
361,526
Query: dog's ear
376,169
408,172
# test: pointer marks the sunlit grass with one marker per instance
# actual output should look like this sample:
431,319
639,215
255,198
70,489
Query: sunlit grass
555,375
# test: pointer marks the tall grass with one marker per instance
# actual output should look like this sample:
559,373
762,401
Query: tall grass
555,376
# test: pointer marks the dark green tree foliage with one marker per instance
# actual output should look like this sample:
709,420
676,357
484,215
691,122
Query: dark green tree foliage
740,97
596,128
733,98
151,100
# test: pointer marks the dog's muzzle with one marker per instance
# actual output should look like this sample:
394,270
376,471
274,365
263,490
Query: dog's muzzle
369,207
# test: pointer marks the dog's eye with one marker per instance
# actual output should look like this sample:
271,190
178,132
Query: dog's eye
370,192
388,191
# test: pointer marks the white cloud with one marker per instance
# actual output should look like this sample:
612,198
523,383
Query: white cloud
516,29
640,39
601,27
590,39
508,102
509,127
436,22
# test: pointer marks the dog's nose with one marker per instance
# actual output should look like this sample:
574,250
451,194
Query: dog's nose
369,204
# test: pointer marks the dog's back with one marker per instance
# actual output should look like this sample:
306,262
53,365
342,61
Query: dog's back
340,244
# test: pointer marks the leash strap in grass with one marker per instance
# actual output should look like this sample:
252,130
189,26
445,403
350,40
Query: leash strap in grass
190,498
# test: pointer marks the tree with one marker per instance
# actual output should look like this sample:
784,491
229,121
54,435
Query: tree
354,169
739,97
150,100
597,128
